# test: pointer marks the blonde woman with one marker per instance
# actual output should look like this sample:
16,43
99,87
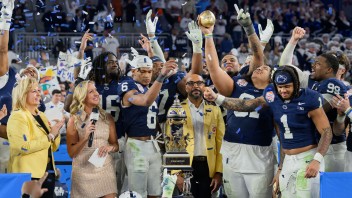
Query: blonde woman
88,180
32,139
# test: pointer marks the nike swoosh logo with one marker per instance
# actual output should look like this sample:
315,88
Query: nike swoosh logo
301,103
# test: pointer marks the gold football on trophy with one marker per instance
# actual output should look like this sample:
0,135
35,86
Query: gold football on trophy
207,18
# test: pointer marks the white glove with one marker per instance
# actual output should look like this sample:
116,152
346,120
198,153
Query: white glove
6,14
266,34
168,185
151,25
195,35
86,66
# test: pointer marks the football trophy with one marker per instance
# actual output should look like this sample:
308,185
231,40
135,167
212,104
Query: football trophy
176,156
207,18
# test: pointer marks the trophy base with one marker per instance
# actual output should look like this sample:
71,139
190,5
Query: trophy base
177,161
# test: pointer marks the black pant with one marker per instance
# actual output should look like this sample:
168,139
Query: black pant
200,183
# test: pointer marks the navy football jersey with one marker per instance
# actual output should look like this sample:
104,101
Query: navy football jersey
167,94
311,83
329,88
296,128
137,121
253,128
110,102
6,95
244,70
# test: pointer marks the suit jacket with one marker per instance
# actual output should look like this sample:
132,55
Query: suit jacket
214,129
29,144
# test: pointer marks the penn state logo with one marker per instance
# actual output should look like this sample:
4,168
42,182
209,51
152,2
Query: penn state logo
281,79
242,82
269,96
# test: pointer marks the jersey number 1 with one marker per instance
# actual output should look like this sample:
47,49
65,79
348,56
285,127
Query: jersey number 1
287,134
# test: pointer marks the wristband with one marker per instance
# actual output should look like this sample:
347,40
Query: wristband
208,35
220,99
249,30
318,157
348,111
160,78
340,119
153,38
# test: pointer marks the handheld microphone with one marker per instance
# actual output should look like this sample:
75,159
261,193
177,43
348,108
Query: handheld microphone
94,117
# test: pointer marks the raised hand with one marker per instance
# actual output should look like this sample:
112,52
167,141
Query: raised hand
151,24
266,34
244,19
87,36
298,33
195,35
145,43
205,30
168,67
6,14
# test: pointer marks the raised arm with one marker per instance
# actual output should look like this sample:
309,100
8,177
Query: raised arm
244,19
266,34
87,36
235,104
5,23
151,27
222,81
147,99
195,35
287,54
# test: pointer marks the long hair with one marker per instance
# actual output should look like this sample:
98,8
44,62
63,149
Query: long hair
291,71
99,73
79,97
20,92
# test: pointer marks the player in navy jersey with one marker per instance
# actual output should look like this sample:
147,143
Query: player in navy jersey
324,70
297,113
176,83
139,117
323,79
248,158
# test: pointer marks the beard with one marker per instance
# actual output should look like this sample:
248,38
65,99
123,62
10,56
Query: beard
200,95
231,73
115,75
